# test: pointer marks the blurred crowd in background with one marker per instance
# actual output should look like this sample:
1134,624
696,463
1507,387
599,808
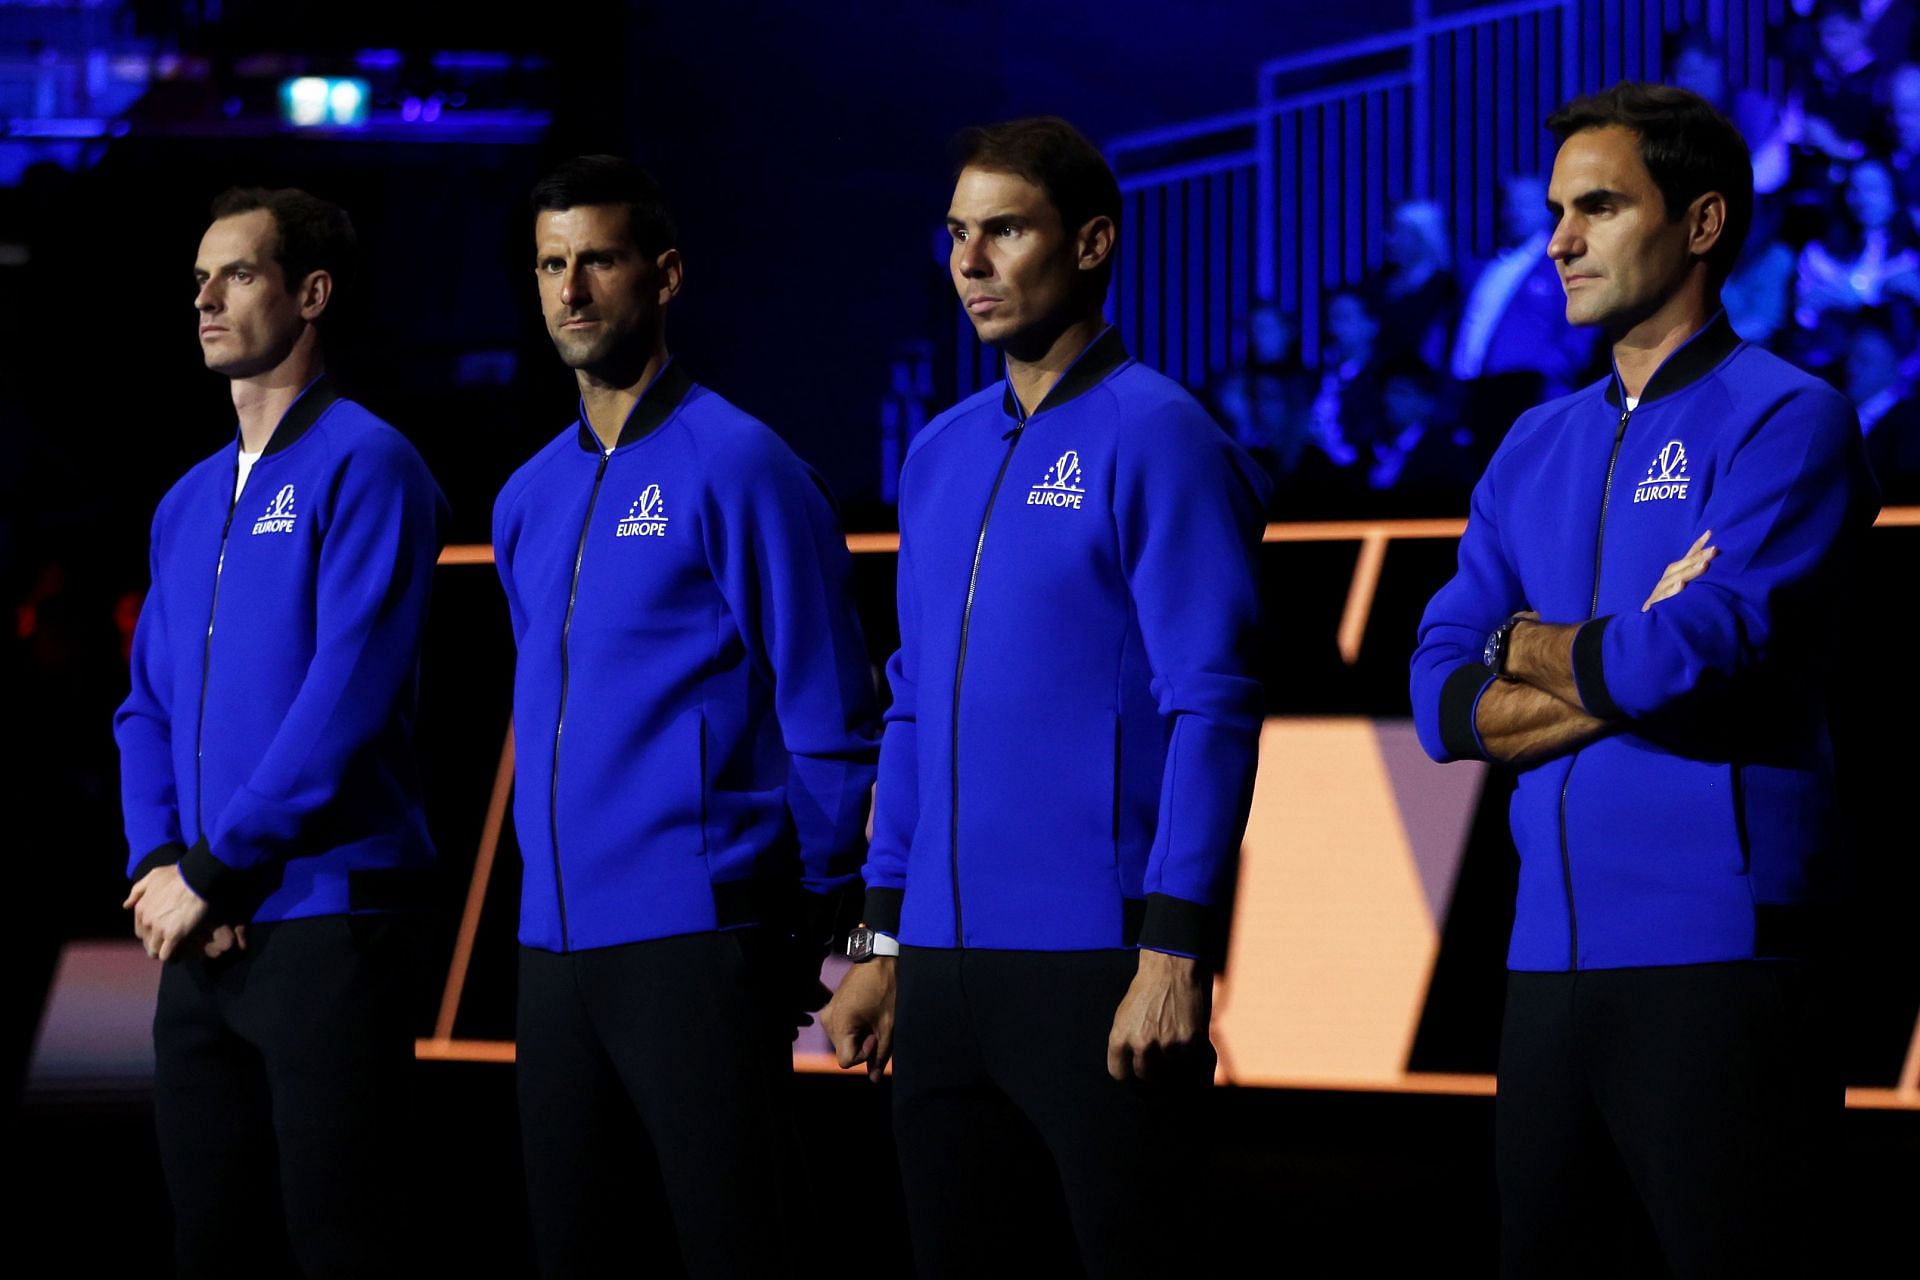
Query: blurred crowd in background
1424,365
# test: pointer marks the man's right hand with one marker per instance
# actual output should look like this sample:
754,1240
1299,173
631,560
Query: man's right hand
859,1019
1683,571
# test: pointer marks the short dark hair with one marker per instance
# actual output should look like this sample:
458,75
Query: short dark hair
586,180
1054,156
1688,147
310,234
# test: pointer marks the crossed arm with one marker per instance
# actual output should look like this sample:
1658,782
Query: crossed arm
1535,713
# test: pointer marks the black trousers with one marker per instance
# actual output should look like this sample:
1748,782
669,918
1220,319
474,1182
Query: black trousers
281,1090
1698,1100
992,1047
688,1033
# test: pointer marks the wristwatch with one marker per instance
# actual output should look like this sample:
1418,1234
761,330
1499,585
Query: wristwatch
865,943
1498,644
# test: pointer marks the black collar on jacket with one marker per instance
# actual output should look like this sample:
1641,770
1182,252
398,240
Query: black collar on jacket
655,405
1693,360
302,413
1104,354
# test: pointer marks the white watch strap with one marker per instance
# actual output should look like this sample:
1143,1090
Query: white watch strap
885,944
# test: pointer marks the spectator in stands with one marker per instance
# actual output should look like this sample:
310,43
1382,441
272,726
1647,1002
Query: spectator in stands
1758,295
1838,110
1693,61
1515,347
1883,394
1419,456
1346,409
1903,133
1867,257
1414,299
1264,404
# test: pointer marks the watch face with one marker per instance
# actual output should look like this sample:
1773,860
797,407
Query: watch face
860,944
1491,656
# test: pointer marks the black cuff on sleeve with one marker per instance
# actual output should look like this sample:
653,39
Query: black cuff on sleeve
231,893
1185,928
883,910
1588,677
1458,698
165,856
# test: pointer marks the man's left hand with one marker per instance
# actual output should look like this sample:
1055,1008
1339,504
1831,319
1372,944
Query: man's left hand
1163,1023
166,911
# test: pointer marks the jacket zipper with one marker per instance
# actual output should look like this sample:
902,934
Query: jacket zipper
206,660
960,666
560,721
1593,611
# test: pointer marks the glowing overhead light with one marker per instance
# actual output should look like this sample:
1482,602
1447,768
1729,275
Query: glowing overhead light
346,102
310,102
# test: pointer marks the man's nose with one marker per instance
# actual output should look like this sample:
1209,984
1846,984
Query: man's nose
970,259
1566,243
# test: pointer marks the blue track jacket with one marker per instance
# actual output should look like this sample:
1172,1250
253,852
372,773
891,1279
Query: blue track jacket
1704,828
1069,757
693,703
267,743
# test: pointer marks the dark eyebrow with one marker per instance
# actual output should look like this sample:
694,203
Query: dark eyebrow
1599,196
243,264
993,220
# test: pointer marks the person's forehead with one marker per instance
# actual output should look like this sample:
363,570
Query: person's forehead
251,231
977,188
1604,157
582,222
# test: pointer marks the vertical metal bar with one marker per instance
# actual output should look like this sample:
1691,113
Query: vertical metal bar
1288,163
1196,299
1439,107
1352,191
1151,298
1219,256
1592,56
1422,102
1246,274
1172,279
1465,130
1265,237
1490,76
1379,163
1506,99
1308,220
1330,174
1399,144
